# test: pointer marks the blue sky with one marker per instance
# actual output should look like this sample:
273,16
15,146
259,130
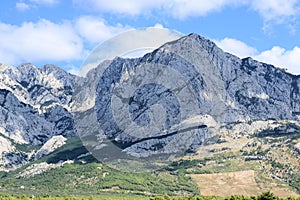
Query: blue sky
64,32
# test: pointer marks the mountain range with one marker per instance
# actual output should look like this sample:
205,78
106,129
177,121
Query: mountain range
209,98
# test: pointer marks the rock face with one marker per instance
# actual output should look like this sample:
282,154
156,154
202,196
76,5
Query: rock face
247,89
221,86
52,144
171,100
22,123
38,87
34,106
40,168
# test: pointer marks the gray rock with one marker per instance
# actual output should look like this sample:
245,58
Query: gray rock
34,107
169,101
220,85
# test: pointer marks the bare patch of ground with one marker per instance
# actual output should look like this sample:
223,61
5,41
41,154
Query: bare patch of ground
230,183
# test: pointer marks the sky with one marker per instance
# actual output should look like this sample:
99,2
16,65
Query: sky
64,32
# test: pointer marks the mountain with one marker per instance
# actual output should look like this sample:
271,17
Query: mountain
34,107
187,98
198,86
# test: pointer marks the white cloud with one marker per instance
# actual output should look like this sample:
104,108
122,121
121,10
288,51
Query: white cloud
269,9
96,30
177,8
41,41
185,8
236,47
21,6
281,57
130,7
276,9
276,56
158,26
47,42
278,12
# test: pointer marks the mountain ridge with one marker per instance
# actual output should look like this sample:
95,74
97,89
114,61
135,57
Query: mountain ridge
51,88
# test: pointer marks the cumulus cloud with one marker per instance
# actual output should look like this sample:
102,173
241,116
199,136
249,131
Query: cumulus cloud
39,41
48,42
277,12
236,47
281,57
21,6
273,12
130,7
96,30
268,9
276,9
277,56
45,41
185,8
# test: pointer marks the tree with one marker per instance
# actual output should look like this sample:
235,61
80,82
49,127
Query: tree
267,196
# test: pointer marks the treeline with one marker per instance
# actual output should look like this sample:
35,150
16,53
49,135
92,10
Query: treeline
263,196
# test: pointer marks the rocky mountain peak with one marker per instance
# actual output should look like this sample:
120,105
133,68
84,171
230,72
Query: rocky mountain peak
226,89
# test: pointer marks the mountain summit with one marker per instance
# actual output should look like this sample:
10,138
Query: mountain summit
199,87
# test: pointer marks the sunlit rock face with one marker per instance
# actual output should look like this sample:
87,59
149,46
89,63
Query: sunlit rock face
174,99
34,106
219,86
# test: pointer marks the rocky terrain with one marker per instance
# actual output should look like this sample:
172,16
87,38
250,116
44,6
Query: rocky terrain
198,86
34,108
188,96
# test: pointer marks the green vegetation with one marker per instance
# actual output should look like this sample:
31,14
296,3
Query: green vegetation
263,196
269,155
70,151
95,178
87,176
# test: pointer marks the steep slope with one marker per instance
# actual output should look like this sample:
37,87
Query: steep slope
192,80
33,104
249,88
38,87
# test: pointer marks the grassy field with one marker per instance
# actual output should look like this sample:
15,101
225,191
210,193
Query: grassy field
226,184
231,183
